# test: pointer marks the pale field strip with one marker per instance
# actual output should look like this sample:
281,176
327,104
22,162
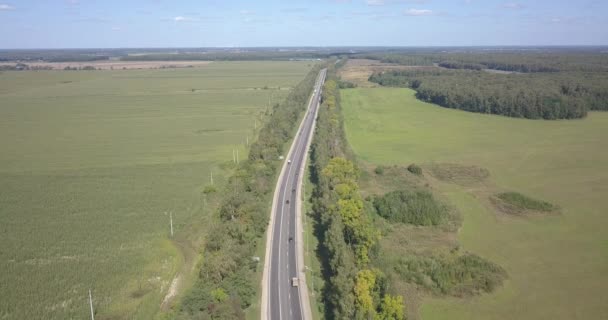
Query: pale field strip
113,64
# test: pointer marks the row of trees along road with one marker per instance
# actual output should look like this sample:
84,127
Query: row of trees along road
353,289
227,281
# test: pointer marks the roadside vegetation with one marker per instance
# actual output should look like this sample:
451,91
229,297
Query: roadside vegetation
228,277
354,289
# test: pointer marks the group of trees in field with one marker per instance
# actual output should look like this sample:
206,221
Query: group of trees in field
354,289
413,207
227,281
533,96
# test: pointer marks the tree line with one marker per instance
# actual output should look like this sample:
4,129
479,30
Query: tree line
226,283
354,289
532,96
515,61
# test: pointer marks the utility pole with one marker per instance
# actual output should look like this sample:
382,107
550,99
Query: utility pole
237,156
171,222
91,305
233,156
211,177
248,141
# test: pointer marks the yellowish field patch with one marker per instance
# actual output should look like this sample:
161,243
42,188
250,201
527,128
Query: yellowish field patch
358,70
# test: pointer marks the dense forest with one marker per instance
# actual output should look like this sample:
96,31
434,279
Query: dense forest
566,95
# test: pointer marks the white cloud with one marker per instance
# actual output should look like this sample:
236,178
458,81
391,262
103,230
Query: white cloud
182,19
418,12
6,7
116,28
513,5
388,2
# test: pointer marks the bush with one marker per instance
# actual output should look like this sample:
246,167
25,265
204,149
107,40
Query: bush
452,275
209,189
415,169
418,208
379,170
522,202
346,85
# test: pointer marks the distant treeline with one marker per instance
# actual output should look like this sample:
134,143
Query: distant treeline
226,56
525,62
548,96
51,57
22,67
226,283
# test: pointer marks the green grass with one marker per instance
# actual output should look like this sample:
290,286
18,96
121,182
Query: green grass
557,265
90,163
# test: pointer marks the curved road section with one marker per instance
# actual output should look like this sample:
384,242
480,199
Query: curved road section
284,290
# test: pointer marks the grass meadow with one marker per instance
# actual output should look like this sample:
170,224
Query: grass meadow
557,264
91,162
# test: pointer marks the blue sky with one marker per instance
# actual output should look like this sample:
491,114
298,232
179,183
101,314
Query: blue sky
215,23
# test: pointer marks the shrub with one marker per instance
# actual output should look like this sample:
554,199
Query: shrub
346,85
418,208
523,202
379,170
454,275
415,169
209,189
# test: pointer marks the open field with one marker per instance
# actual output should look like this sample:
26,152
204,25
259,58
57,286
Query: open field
557,264
113,64
91,162
358,70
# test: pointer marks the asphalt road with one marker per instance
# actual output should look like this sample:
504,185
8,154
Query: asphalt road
284,299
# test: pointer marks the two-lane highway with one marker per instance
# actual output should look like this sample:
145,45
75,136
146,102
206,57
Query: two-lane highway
284,292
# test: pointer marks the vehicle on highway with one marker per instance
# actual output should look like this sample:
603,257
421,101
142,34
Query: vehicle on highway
289,161
294,282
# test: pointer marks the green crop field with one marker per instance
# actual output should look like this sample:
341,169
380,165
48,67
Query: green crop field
91,162
557,263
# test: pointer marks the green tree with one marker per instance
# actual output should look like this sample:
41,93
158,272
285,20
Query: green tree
364,284
391,308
